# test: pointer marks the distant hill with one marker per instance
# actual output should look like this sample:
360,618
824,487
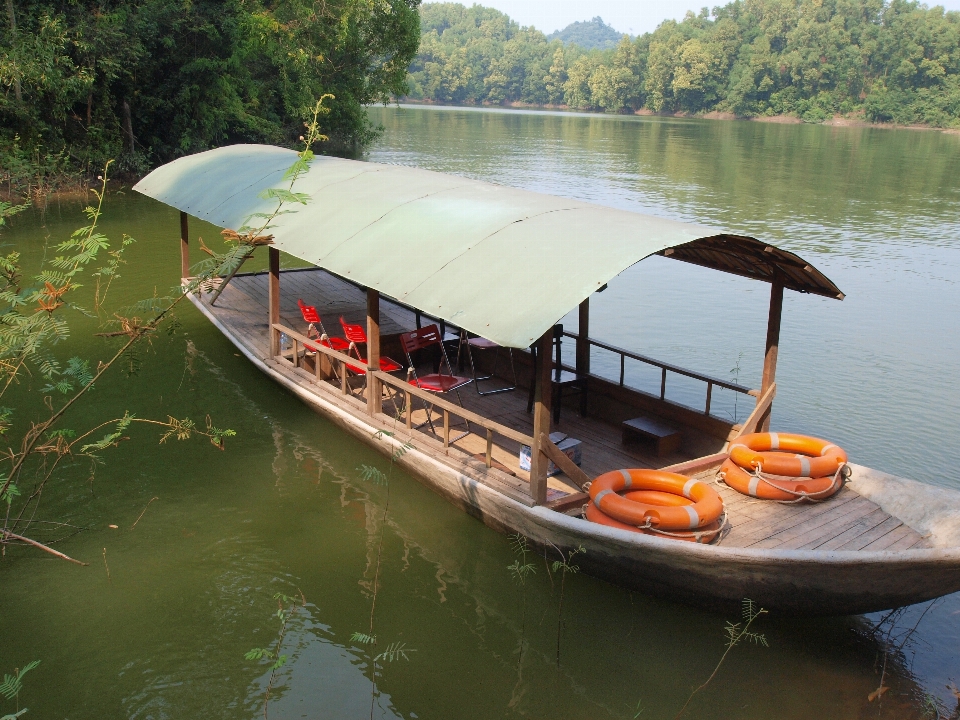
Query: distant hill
590,35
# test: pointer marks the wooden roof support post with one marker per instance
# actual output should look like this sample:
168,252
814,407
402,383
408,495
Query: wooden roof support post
184,245
583,339
273,300
374,399
773,347
541,418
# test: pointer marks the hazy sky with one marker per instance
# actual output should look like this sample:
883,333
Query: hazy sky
628,16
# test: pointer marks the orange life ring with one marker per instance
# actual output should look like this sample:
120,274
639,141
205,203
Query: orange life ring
778,488
814,457
706,534
705,508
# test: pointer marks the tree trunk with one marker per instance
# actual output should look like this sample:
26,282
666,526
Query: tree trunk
127,123
12,17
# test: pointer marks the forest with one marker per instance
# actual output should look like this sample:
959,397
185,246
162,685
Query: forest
885,61
145,81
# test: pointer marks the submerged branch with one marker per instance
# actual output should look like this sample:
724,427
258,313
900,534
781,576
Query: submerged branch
7,535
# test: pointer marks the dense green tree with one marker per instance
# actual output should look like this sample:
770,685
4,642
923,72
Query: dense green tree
889,60
149,80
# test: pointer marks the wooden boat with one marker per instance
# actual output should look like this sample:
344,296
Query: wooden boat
397,247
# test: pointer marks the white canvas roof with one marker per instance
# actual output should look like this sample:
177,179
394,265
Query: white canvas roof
500,262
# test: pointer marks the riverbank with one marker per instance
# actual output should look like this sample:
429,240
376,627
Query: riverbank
851,120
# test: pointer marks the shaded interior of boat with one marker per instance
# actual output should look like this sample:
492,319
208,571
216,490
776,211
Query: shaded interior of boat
483,435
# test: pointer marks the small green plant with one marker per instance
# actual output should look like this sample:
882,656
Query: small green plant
735,371
520,570
287,607
736,633
12,685
930,707
564,565
109,272
394,651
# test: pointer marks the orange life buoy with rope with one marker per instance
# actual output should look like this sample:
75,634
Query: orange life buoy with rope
654,511
792,455
705,534
761,485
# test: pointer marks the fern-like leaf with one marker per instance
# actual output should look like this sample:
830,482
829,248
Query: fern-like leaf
402,450
363,638
394,651
258,654
519,544
13,684
372,473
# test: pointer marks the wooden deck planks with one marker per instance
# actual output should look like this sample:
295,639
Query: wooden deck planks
845,522
893,538
780,517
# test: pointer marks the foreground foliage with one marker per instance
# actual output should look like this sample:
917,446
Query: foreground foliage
891,61
35,315
149,80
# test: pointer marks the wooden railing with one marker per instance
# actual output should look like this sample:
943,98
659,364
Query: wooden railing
664,369
302,341
446,408
752,423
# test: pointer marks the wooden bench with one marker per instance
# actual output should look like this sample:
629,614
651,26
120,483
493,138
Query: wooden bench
666,439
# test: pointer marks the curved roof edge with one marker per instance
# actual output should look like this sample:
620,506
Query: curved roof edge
501,262
748,257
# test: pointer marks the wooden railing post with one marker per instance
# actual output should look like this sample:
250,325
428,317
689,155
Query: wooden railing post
583,339
374,399
184,245
772,348
273,299
541,419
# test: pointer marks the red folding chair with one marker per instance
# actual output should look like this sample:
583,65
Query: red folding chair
313,321
356,335
437,382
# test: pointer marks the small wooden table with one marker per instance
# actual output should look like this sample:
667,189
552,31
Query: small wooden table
666,439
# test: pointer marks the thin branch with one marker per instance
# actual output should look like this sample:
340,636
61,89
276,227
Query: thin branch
7,534
144,510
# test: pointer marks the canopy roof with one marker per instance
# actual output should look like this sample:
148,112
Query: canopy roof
500,262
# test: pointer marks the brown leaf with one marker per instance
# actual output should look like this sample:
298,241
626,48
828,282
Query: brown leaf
877,693
246,238
48,306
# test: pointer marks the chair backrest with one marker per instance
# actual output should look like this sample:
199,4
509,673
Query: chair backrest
309,312
420,339
353,333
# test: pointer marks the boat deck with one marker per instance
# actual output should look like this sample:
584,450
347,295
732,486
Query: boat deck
846,521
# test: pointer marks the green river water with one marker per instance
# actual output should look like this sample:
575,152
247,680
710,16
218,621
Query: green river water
284,509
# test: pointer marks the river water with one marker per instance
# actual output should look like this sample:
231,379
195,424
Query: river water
158,624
